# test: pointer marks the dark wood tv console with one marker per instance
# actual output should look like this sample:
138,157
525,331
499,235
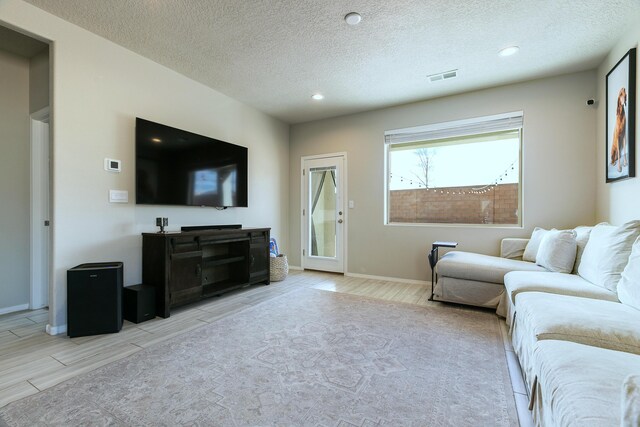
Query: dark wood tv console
191,265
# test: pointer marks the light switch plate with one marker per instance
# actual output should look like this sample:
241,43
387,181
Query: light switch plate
351,204
118,196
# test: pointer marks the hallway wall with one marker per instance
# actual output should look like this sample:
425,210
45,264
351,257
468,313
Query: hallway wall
14,182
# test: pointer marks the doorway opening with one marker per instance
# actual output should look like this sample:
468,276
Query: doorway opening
40,209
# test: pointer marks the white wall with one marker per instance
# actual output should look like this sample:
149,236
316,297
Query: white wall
14,181
558,170
39,81
98,90
617,202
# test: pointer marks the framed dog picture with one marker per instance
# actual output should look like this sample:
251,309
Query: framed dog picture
621,119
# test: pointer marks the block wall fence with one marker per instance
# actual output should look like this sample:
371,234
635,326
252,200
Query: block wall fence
460,205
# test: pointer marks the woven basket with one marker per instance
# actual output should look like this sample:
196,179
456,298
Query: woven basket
279,268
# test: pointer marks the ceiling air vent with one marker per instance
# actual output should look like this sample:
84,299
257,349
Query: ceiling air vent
443,76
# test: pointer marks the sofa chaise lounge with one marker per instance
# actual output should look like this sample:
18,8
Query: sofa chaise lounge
576,332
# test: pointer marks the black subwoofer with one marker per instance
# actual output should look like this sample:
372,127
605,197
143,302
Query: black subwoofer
94,299
139,303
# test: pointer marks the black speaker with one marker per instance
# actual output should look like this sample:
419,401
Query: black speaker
139,303
94,299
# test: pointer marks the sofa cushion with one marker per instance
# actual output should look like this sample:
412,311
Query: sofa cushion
557,251
579,385
607,253
513,247
531,250
629,284
554,283
582,237
483,268
541,316
587,321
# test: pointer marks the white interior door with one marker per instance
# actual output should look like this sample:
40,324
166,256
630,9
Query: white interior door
323,213
40,209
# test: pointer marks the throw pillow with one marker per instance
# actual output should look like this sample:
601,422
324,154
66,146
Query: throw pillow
582,237
531,250
557,251
629,284
607,252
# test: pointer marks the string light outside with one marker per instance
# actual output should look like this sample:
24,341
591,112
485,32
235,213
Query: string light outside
474,190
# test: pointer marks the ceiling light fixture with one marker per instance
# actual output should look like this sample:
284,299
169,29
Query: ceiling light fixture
353,18
317,96
156,140
508,51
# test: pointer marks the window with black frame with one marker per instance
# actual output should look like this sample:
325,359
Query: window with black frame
462,172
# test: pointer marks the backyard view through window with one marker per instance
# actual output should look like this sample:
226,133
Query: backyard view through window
469,179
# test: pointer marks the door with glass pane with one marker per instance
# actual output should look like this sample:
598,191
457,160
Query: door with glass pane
323,214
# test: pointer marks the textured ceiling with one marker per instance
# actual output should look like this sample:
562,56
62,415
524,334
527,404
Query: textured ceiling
18,44
274,54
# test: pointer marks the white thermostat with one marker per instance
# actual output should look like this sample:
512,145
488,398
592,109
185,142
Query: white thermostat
112,165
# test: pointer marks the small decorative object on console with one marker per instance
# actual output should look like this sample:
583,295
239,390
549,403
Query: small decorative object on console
162,223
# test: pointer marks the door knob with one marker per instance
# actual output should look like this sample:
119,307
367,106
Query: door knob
339,221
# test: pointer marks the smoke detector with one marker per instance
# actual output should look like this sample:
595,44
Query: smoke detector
353,18
508,51
446,75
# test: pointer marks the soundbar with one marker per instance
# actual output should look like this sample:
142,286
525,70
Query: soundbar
210,227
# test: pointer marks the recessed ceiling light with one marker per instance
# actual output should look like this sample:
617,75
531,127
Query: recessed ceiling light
353,18
156,140
508,51
317,96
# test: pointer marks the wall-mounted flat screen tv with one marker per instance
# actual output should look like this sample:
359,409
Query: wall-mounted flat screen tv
176,167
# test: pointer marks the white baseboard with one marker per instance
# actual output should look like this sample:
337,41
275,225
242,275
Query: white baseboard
389,279
367,276
56,330
14,308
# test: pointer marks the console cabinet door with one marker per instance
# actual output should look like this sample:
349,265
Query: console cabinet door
185,271
185,278
259,257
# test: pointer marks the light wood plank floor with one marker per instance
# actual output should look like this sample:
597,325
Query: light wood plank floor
32,361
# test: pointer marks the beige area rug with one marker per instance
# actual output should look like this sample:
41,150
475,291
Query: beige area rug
307,358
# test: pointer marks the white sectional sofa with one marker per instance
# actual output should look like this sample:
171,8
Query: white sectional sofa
580,385
541,316
475,279
576,333
553,283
